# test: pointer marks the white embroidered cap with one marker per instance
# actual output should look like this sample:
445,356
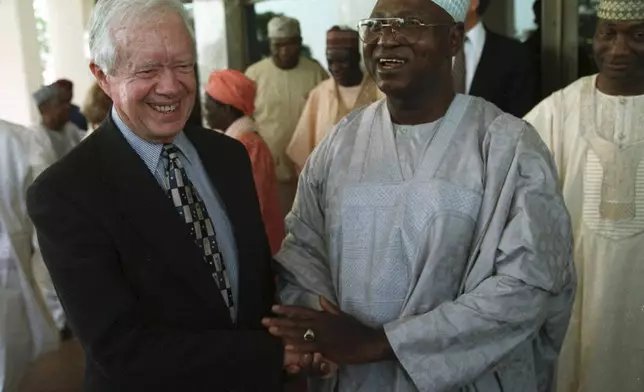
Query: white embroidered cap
283,27
456,8
621,10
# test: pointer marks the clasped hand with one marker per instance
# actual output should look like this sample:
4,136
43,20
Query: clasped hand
338,339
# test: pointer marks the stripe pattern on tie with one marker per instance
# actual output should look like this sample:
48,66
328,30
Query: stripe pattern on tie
192,209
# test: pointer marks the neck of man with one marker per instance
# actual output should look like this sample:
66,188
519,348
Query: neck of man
354,79
471,21
286,67
52,125
621,87
422,108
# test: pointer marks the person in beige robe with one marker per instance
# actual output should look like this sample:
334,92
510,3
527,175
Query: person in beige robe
283,83
595,130
333,99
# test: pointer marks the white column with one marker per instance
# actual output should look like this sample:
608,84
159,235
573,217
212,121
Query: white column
210,33
21,67
68,43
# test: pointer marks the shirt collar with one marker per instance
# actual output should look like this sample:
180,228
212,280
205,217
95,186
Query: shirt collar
149,152
476,35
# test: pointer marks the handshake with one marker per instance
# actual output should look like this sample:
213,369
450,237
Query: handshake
316,342
313,365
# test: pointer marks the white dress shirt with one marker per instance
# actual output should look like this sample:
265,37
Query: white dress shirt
474,43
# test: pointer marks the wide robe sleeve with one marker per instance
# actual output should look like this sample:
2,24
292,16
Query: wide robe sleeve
529,290
548,119
304,252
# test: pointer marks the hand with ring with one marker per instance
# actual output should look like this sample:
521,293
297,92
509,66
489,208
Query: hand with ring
335,335
309,335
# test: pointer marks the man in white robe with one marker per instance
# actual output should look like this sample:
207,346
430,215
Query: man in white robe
429,229
595,130
26,327
57,136
63,135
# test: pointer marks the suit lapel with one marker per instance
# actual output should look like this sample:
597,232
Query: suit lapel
489,61
144,203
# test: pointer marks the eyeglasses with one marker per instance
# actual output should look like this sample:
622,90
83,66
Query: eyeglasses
405,31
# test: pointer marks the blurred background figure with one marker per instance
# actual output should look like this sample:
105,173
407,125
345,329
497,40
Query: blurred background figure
230,103
283,82
27,329
496,68
96,107
54,111
533,43
331,100
75,115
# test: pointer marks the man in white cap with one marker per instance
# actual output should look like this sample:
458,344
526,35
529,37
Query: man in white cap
283,83
429,229
595,129
54,111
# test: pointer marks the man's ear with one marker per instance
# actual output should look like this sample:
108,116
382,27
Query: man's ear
474,6
456,37
101,77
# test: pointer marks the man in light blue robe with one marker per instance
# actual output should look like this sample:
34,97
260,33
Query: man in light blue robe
429,248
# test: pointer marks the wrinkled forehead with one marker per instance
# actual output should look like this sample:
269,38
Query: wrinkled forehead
340,53
154,40
625,25
285,41
420,9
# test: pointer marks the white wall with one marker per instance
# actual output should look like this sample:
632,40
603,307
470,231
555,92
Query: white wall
523,18
20,68
350,12
210,32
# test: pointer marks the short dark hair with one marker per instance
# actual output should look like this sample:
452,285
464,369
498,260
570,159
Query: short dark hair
65,83
483,4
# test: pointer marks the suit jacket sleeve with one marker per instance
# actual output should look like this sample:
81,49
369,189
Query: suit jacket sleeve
104,311
522,93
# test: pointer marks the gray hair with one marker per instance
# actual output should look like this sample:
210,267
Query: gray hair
110,16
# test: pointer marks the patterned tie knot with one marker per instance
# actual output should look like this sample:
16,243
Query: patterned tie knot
169,150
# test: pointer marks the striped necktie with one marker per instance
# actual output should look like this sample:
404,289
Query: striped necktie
459,71
192,209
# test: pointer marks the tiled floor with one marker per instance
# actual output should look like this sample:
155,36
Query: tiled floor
60,371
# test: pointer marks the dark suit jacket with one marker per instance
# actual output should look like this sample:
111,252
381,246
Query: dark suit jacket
76,117
506,75
132,281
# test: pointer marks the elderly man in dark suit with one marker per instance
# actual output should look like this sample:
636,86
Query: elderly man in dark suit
151,229
496,68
